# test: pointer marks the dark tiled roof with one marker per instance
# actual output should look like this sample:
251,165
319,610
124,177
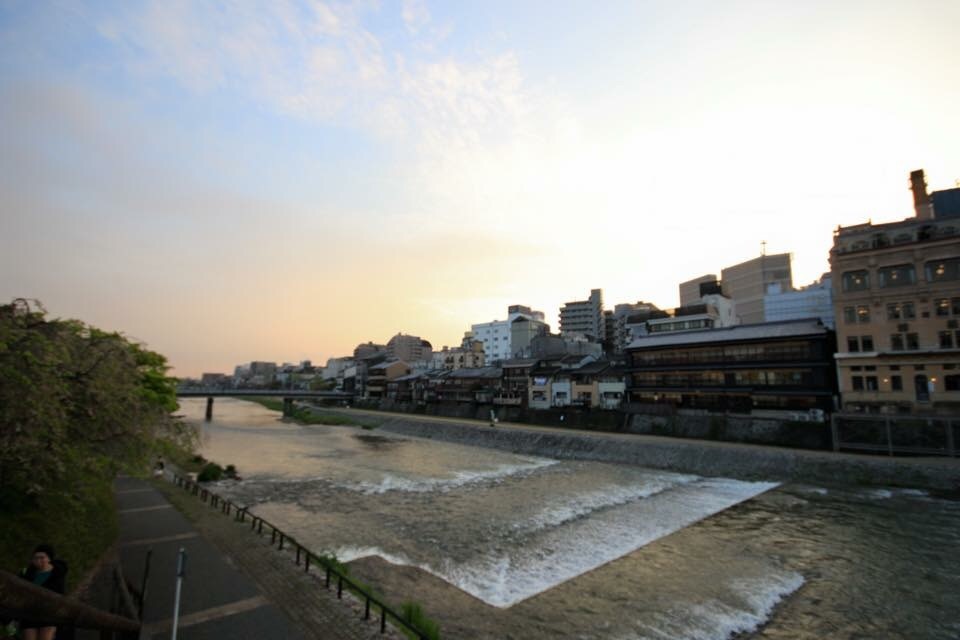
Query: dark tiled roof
744,332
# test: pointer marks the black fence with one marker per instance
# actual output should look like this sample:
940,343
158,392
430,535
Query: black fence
303,555
909,435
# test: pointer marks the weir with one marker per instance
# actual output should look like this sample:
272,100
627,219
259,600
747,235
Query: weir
746,462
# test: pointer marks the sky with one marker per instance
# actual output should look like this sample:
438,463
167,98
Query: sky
282,180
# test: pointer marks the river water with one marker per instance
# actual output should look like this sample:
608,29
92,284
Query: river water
506,546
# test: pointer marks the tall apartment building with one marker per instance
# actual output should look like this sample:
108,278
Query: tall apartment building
498,336
409,348
746,283
584,317
896,297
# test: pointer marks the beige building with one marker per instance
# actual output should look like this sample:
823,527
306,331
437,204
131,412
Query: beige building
468,356
690,290
896,296
409,349
746,283
584,317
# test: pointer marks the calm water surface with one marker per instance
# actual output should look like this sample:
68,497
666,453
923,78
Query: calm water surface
571,549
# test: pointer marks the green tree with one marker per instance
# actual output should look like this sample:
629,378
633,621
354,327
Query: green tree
77,404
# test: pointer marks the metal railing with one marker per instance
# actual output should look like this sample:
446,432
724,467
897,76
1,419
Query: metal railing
280,538
893,434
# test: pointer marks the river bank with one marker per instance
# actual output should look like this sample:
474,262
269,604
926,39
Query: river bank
742,461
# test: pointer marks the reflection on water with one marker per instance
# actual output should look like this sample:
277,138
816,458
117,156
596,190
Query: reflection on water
667,555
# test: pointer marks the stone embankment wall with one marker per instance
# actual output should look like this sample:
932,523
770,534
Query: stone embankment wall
748,462
687,424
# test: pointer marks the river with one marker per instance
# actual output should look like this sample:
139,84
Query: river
497,545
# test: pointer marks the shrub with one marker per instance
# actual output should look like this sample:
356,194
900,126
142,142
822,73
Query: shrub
211,472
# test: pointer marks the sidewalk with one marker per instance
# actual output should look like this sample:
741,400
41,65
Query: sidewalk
236,585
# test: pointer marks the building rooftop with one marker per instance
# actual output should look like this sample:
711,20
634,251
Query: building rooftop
475,372
743,332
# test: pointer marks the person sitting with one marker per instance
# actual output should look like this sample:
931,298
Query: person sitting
47,571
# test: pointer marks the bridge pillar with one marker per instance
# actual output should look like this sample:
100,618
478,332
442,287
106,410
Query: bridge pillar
209,409
287,407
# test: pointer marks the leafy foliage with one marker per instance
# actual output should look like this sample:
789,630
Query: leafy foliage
77,404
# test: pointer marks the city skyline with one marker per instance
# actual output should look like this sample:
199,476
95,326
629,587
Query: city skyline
284,181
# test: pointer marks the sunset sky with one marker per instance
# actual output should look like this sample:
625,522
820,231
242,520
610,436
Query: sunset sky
281,180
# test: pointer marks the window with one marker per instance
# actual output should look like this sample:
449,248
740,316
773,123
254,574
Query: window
896,383
871,382
900,275
943,270
856,280
856,382
955,306
951,382
946,339
894,367
896,341
942,307
866,343
912,342
898,310
863,313
853,345
850,314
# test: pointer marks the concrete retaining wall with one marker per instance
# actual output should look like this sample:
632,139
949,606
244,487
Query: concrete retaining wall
747,462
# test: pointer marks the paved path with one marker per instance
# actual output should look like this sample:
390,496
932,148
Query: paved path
237,585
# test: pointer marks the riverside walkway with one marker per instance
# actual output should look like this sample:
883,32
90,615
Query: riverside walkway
236,585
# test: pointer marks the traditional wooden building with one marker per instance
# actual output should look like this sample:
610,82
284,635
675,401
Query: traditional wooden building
775,365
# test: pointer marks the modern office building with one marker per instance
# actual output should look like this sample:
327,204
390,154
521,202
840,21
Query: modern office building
896,298
747,283
497,336
584,317
812,301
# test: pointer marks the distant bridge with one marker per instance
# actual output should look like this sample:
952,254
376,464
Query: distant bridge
287,395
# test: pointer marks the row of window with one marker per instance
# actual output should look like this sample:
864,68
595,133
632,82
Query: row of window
871,383
901,275
907,341
746,378
942,307
783,351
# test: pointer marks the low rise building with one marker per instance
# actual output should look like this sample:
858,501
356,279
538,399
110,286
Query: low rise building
378,375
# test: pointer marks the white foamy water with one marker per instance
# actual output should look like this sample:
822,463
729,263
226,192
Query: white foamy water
563,547
390,482
747,607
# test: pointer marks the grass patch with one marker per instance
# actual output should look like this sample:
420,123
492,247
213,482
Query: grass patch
303,415
413,613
